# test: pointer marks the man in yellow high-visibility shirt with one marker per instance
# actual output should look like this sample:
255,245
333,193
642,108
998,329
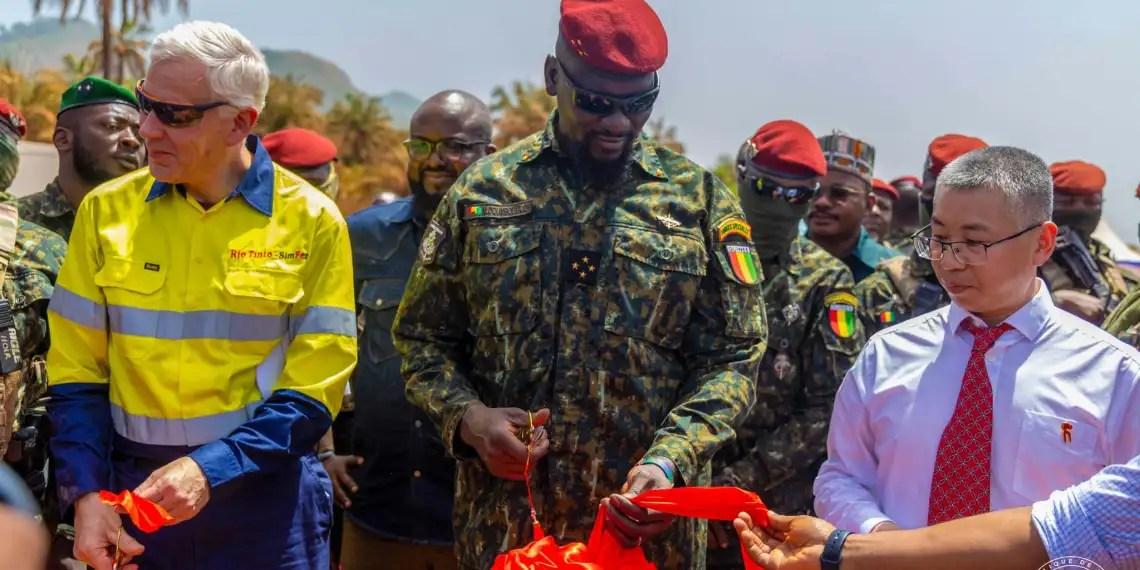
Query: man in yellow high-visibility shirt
202,330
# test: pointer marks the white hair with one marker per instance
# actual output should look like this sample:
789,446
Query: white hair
1018,174
236,71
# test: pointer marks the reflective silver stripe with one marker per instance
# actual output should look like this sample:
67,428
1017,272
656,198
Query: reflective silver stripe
78,309
325,320
188,431
270,369
174,325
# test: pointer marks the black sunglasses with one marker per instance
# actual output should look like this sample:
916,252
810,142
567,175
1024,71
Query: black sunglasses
605,105
173,115
791,194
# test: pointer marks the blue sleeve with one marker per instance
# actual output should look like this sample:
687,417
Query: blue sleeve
286,426
1095,520
81,431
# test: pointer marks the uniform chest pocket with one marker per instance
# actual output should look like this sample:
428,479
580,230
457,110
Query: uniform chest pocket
264,291
652,285
1050,446
503,278
127,281
378,301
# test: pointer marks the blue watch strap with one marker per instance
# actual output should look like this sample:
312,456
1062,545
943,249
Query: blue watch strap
833,550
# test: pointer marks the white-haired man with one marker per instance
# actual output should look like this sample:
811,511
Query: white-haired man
994,401
203,330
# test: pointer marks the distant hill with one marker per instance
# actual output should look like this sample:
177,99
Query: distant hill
43,42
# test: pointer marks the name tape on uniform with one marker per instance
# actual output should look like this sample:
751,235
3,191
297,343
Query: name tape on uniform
497,211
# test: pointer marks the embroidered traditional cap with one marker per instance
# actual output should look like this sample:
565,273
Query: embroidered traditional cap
846,153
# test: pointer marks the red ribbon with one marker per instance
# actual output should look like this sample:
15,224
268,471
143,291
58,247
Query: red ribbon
146,515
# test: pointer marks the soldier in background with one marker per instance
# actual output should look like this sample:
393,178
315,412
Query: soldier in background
814,335
30,259
603,282
307,154
97,138
905,286
879,216
1082,274
905,215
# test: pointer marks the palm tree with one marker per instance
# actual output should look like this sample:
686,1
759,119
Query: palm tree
291,103
127,48
77,67
36,96
361,127
131,13
520,111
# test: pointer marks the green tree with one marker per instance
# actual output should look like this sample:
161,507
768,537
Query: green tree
291,103
520,111
725,169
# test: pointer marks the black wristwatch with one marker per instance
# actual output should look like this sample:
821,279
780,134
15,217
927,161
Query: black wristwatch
833,550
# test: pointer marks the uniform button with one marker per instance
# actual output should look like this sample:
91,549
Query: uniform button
493,246
417,474
666,254
418,423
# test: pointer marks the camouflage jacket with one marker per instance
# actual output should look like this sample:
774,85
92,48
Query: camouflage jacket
781,445
50,209
1124,322
1061,278
900,288
620,310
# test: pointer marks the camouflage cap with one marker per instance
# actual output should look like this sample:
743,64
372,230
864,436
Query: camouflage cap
93,90
848,154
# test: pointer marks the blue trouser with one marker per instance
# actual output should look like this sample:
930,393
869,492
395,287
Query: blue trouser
273,521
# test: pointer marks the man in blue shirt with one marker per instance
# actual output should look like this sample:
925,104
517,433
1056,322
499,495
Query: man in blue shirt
1090,525
401,512
835,221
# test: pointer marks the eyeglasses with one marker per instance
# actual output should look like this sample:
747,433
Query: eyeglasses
839,193
791,194
173,115
966,252
605,105
453,149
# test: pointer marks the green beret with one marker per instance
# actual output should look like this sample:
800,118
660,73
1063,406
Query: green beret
93,90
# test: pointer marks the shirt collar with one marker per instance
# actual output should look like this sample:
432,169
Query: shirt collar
1029,320
643,148
256,187
55,204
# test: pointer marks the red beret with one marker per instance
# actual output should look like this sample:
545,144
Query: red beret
299,148
11,117
944,149
903,180
618,36
1076,177
880,185
787,148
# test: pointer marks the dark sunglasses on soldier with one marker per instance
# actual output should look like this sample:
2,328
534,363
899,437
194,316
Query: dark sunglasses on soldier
174,115
605,105
791,194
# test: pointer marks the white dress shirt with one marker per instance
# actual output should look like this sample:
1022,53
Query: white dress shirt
1066,404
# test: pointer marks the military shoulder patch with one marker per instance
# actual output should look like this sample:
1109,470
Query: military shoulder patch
497,211
433,237
742,261
734,226
841,307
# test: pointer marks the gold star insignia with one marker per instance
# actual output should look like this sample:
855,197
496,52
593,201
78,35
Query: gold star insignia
583,274
574,266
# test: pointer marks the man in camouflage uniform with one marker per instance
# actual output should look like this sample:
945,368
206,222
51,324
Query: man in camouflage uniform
1082,273
781,445
879,216
31,257
601,279
97,138
905,214
905,286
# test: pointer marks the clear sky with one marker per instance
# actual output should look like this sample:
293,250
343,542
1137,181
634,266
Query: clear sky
1058,77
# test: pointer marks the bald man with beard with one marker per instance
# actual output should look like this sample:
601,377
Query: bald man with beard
397,485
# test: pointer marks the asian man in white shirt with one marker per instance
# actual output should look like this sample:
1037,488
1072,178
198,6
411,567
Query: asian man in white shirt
994,401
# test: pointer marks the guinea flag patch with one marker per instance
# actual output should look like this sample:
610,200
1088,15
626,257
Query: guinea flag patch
743,263
841,313
887,317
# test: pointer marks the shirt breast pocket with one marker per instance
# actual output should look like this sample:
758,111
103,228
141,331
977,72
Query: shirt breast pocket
1054,453
131,286
503,278
378,301
654,280
264,291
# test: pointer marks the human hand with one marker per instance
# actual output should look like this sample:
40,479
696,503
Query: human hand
337,467
98,529
1083,305
789,543
179,487
495,433
633,524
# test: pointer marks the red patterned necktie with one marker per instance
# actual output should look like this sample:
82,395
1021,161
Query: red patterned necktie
960,486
